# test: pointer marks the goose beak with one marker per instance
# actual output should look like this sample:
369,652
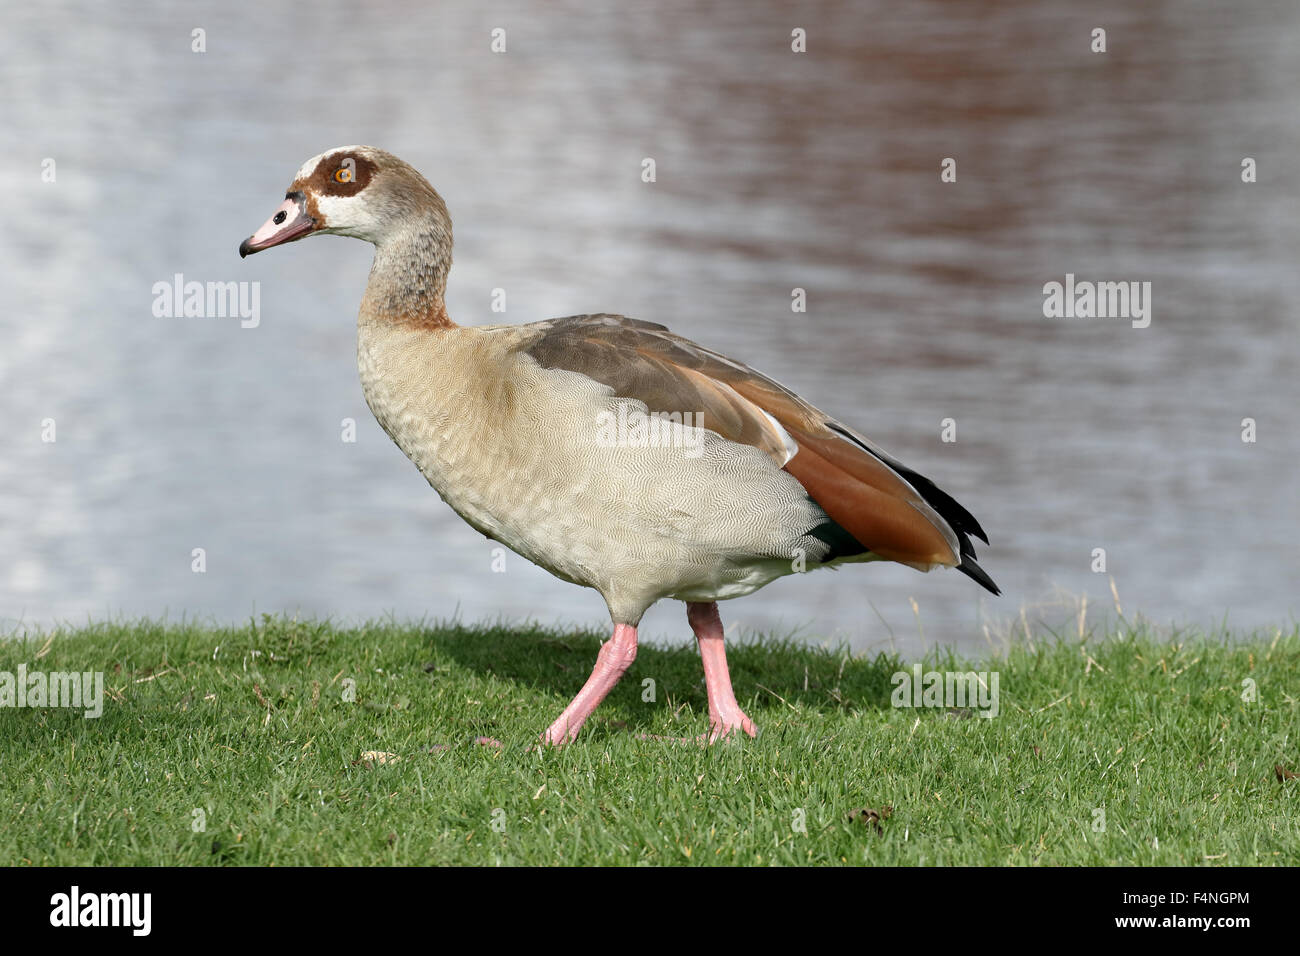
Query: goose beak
289,222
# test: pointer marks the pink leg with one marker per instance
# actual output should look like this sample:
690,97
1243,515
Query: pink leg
615,656
725,715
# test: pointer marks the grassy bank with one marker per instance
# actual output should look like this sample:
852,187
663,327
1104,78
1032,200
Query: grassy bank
237,746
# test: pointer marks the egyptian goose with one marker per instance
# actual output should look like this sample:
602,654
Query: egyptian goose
609,451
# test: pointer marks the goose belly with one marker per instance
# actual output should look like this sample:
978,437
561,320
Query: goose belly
687,515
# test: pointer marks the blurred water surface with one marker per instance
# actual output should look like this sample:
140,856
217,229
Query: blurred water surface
775,170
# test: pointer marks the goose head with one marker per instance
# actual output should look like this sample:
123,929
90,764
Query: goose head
356,191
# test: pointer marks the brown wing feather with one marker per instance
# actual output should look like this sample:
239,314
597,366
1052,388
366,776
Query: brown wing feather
854,484
622,354
871,503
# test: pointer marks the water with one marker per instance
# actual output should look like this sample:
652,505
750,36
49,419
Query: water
774,170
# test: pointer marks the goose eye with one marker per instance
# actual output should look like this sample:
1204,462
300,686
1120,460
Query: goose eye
343,175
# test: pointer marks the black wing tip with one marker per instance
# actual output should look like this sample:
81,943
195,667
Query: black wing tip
977,574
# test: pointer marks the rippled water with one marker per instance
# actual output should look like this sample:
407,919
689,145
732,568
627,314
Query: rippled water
775,170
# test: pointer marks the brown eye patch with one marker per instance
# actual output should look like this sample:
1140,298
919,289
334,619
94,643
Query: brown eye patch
344,174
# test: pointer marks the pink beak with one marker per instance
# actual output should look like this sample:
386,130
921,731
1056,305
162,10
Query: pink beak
289,222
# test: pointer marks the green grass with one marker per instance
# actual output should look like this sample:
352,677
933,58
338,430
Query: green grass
257,735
